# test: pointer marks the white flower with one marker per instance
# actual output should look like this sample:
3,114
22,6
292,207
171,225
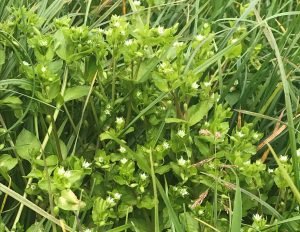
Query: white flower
160,30
122,32
123,160
247,162
207,84
183,192
67,174
61,171
107,112
258,162
181,133
255,136
136,3
117,24
122,149
162,108
128,42
87,230
25,63
177,44
166,145
43,43
86,164
283,158
200,212
181,161
195,85
200,37
205,25
120,120
117,196
138,93
257,217
110,200
234,41
240,134
232,88
143,176
44,69
100,159
298,152
270,170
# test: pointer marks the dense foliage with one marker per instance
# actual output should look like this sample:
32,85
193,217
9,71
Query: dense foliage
127,122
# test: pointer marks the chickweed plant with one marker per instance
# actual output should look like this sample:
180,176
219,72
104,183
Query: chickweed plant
149,116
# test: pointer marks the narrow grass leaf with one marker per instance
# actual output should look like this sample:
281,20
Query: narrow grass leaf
237,207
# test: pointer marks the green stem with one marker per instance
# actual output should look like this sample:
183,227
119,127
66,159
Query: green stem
47,173
113,87
43,146
156,216
148,16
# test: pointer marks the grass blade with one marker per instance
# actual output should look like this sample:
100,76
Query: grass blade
237,208
32,206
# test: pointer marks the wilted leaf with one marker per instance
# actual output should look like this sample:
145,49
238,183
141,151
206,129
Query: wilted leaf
69,201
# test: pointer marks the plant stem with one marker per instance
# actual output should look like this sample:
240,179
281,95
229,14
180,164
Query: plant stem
44,143
113,88
156,216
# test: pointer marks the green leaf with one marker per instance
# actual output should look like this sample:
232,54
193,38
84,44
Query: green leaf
172,215
33,206
11,100
7,162
2,57
76,92
51,160
160,83
100,211
162,169
175,120
191,224
120,228
146,68
286,175
27,145
36,227
198,111
234,52
60,45
237,208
